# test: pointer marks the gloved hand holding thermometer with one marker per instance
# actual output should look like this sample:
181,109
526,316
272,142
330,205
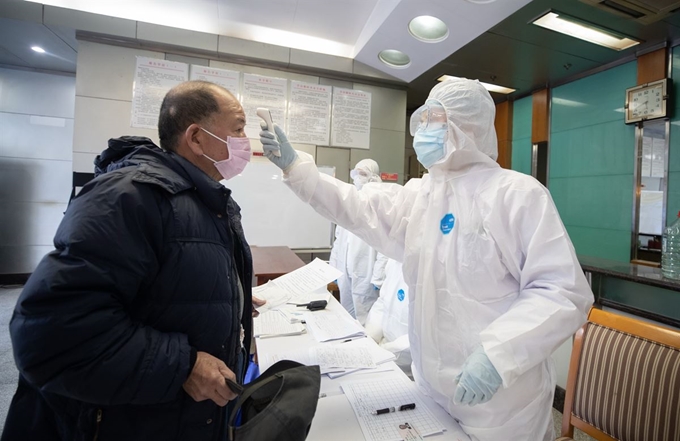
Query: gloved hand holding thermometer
266,116
275,143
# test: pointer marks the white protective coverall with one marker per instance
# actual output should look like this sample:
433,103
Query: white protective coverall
387,321
355,258
487,261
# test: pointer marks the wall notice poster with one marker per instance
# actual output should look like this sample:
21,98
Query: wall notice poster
646,168
153,79
351,126
228,79
268,92
309,113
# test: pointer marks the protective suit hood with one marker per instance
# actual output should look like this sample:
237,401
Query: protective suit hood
366,171
471,141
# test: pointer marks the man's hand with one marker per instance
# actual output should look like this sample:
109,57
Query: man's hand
207,380
256,304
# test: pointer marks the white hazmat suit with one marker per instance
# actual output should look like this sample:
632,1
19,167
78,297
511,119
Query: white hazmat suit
355,258
487,260
387,321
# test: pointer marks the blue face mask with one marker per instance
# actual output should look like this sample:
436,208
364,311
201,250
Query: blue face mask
430,146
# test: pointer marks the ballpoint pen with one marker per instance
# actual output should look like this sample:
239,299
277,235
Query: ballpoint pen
409,406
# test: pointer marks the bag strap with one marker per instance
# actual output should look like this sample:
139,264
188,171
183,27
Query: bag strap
242,399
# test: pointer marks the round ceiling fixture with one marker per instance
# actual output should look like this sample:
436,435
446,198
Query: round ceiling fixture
428,28
394,58
38,49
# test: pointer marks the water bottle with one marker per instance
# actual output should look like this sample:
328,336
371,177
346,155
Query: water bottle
670,251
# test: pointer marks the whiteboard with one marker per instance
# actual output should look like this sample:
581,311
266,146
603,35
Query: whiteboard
272,215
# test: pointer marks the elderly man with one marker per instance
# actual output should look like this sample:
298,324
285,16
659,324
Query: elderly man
494,283
129,328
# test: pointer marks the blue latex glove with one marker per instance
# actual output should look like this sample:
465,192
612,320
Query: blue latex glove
478,381
270,144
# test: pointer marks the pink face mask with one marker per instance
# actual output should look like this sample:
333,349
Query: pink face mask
239,156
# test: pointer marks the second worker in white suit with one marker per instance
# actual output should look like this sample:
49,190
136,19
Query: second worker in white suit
494,281
355,258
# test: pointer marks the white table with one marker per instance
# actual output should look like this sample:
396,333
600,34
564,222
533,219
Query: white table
334,418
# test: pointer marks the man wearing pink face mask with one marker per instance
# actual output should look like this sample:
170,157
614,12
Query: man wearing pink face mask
131,326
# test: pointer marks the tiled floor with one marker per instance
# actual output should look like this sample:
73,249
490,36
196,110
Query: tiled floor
9,374
8,371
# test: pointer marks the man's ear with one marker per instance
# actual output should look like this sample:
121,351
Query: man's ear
193,138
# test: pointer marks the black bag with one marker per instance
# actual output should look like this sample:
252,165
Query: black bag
279,405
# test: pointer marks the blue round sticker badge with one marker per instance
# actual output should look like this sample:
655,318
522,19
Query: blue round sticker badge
447,223
400,295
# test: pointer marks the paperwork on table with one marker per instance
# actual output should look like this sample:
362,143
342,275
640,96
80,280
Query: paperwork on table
329,325
337,359
295,286
275,324
368,396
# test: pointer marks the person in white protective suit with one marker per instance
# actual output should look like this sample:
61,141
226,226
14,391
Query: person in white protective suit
387,321
354,257
494,282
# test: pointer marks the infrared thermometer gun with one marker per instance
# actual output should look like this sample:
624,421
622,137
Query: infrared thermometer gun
266,116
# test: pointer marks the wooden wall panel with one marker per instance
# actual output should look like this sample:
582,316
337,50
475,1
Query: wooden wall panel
540,116
503,125
652,66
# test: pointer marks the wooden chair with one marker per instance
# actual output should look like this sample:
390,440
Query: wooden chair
624,381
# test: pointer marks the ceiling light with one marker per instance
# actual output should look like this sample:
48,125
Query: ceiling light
394,58
585,31
38,49
428,28
488,86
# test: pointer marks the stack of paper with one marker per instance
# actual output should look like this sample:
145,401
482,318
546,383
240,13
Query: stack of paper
275,324
379,355
331,358
329,325
300,286
274,296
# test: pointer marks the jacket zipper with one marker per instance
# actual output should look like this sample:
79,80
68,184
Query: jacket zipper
99,420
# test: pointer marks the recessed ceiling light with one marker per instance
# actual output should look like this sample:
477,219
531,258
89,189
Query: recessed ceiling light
428,28
488,86
38,49
394,58
585,31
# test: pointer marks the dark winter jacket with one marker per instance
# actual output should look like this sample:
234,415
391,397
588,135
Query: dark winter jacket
146,269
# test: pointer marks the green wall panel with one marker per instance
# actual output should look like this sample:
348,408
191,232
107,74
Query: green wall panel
607,244
592,100
592,162
597,150
603,202
521,135
673,198
521,155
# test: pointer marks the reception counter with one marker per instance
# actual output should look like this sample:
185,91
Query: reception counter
634,289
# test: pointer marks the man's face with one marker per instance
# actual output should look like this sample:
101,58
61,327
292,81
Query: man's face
229,121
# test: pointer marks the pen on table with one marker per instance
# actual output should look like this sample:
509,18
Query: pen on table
350,339
409,406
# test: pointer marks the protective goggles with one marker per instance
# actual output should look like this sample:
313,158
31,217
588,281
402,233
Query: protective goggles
354,174
429,116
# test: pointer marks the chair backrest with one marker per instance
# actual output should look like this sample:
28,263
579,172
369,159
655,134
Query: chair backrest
624,380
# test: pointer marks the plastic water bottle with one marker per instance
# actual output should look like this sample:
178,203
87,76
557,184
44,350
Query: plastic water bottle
670,251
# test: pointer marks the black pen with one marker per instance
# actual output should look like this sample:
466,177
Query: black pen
409,406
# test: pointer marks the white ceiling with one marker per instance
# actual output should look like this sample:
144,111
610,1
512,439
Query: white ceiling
357,29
